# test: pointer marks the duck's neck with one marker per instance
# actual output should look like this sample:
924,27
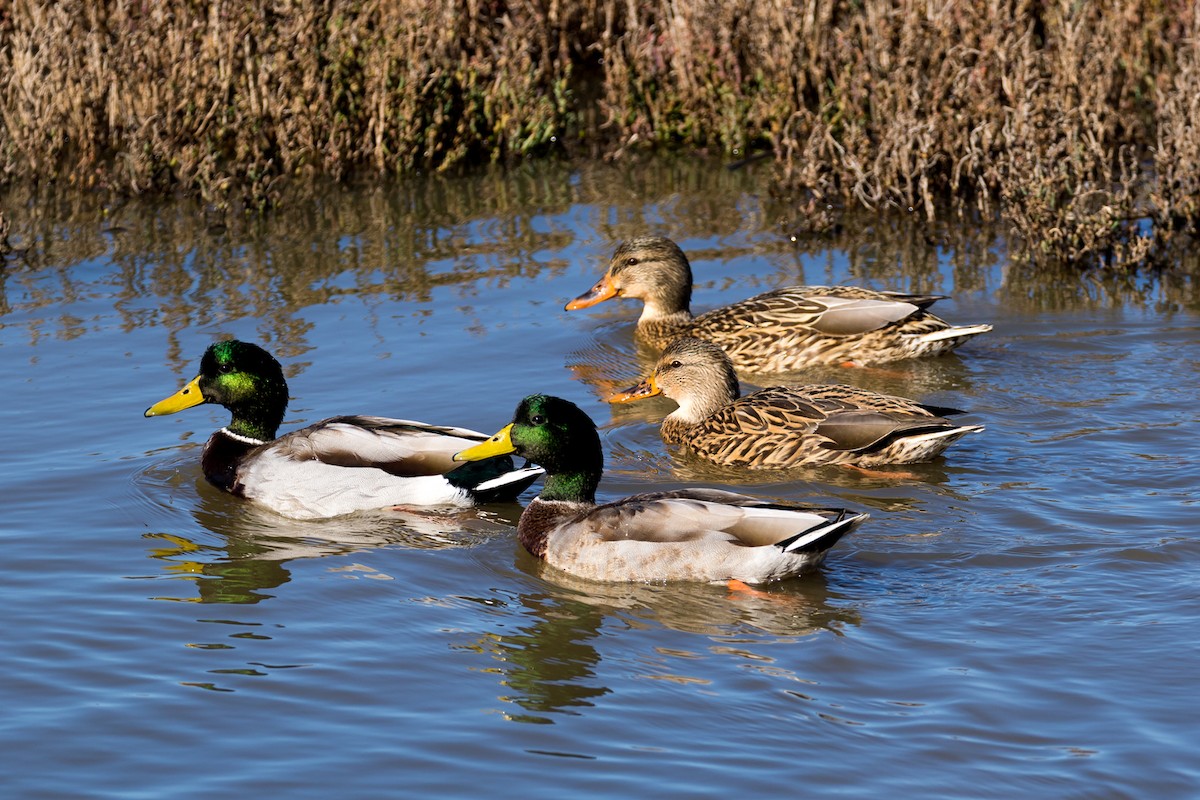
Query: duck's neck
705,400
573,487
254,423
662,330
669,301
256,409
665,312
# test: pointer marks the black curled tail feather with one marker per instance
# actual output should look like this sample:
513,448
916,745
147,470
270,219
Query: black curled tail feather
941,411
820,538
493,480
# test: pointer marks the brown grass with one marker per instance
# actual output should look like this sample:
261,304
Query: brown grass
227,98
1073,122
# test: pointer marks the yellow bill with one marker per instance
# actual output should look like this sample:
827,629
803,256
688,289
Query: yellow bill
186,397
498,445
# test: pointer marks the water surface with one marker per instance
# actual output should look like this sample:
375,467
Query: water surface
1017,617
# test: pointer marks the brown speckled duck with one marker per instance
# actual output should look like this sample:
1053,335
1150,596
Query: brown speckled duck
781,330
688,534
783,427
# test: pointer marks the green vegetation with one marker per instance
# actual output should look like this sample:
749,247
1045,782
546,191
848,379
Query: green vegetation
1075,122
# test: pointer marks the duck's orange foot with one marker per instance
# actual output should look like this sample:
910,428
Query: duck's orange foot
880,371
746,589
896,475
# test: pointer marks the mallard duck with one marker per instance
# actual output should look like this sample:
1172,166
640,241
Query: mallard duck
338,465
782,330
688,534
781,427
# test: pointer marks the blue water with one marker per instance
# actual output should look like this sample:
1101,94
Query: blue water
1019,617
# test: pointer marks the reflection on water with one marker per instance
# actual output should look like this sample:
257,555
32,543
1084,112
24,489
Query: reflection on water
251,558
551,664
244,632
179,268
794,608
253,545
237,573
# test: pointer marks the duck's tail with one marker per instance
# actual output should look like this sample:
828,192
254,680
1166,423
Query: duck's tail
824,535
959,333
910,447
494,480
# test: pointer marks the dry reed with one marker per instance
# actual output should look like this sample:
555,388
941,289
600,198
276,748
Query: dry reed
1073,122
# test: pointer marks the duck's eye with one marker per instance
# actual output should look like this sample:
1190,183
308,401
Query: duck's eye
538,419
225,368
631,261
676,364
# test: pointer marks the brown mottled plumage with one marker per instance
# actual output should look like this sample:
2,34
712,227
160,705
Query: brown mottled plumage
782,330
689,534
782,427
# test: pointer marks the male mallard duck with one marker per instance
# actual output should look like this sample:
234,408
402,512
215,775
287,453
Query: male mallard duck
784,427
687,534
782,330
336,466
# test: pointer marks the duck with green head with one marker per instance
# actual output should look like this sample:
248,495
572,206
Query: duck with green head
338,465
782,330
688,534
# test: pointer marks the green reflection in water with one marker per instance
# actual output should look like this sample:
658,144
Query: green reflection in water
550,666
239,577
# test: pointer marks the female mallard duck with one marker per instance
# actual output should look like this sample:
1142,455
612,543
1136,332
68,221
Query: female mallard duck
786,329
336,466
784,427
687,534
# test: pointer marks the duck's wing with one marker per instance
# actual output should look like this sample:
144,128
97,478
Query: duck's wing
837,396
771,427
862,421
840,316
923,301
817,308
779,419
347,464
698,514
396,446
774,410
313,489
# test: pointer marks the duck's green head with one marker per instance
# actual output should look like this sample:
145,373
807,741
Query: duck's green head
555,434
243,378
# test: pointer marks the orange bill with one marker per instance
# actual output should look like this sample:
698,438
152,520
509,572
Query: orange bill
644,389
603,290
